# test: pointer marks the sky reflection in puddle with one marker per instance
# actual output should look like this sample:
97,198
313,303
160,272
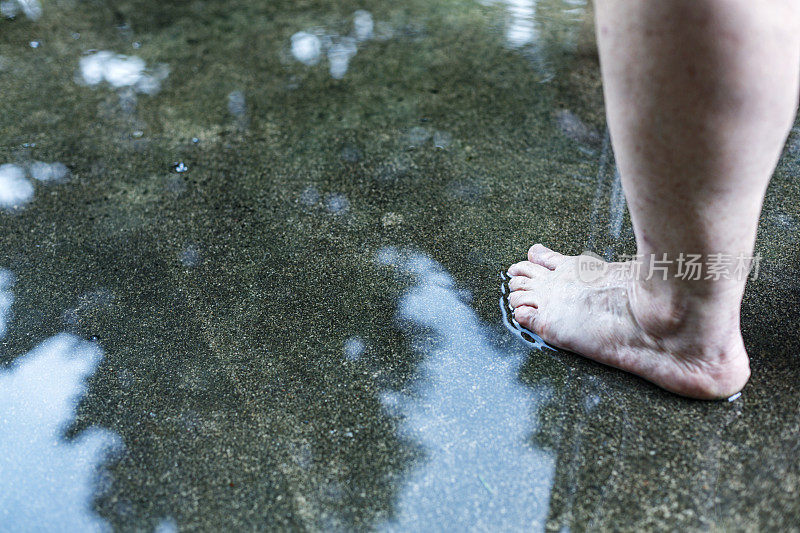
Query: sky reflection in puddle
468,412
46,482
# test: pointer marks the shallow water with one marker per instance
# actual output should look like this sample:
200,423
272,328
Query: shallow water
271,235
469,415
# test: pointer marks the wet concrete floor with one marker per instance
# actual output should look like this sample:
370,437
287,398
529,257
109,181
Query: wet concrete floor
250,270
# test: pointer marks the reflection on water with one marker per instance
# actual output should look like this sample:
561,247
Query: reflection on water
521,28
49,172
15,190
46,483
37,399
542,29
363,25
30,8
121,71
6,299
249,343
307,47
469,413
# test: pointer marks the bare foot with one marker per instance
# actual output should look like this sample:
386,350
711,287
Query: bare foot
680,341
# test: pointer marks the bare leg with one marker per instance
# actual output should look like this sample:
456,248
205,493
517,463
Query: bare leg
700,96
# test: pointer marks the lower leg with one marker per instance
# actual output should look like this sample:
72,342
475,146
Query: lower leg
700,96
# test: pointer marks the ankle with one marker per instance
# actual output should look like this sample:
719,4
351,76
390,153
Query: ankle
660,308
701,313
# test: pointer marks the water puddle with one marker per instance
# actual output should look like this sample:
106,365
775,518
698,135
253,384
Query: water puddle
15,190
308,46
468,412
119,70
30,8
534,26
46,482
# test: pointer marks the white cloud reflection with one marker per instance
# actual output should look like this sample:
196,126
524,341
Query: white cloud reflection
46,482
469,412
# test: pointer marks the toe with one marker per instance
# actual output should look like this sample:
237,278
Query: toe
544,256
525,315
530,318
521,283
527,269
523,298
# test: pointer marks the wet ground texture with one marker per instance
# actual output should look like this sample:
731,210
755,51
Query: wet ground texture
249,280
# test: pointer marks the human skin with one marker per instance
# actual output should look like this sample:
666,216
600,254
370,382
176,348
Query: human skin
700,97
